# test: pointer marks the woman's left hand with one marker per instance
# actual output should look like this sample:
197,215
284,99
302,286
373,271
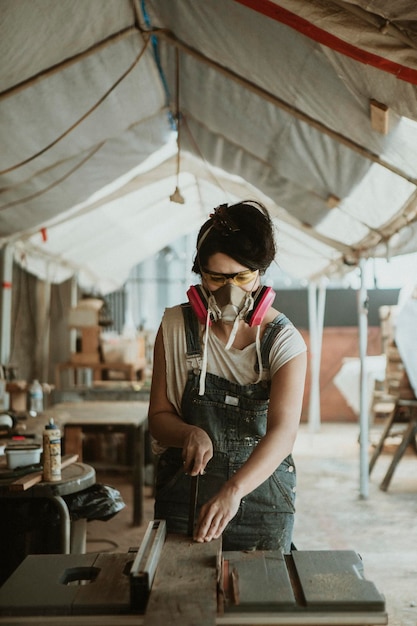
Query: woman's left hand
215,515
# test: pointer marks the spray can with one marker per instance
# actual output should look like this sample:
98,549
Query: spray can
51,452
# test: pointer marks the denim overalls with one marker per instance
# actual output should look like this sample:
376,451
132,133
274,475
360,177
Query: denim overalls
234,416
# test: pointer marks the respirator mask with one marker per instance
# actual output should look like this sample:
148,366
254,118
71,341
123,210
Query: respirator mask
229,303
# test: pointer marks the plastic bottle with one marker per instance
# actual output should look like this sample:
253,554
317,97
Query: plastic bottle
51,452
35,398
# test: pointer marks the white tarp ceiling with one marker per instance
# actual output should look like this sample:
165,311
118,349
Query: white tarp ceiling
274,103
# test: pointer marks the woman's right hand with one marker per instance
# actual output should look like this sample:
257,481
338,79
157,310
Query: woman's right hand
197,451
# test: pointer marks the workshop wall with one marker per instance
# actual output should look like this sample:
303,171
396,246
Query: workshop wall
341,305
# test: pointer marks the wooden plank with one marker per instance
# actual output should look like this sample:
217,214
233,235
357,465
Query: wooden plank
184,589
379,116
25,482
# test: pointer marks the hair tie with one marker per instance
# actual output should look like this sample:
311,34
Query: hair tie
222,222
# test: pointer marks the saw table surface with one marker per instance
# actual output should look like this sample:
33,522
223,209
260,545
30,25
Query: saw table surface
194,585
304,587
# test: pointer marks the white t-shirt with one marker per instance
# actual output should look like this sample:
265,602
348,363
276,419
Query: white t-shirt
234,365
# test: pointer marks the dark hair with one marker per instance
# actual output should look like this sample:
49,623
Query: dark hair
243,231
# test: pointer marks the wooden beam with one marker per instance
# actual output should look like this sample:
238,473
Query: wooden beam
59,67
379,117
332,201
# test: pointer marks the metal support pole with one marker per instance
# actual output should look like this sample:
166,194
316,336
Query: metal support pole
43,325
316,306
6,263
314,403
364,404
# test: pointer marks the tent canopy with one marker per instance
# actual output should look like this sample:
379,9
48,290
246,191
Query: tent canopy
308,106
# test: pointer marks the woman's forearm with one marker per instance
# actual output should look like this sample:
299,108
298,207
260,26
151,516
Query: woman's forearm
168,429
272,449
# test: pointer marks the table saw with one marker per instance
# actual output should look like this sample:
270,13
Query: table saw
172,580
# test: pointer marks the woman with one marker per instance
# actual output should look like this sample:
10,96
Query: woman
227,392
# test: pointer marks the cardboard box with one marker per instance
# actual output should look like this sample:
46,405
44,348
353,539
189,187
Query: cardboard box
120,349
86,313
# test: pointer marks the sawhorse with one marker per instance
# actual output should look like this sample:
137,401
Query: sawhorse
405,412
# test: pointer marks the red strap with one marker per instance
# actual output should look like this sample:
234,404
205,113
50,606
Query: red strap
270,9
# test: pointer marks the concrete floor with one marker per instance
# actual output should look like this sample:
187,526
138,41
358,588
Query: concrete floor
331,515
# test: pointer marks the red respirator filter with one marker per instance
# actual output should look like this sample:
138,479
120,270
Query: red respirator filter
264,299
199,303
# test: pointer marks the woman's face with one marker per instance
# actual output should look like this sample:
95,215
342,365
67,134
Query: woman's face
222,269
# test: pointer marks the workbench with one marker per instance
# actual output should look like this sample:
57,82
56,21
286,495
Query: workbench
174,581
78,418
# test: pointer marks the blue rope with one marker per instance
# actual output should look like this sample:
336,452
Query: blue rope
155,48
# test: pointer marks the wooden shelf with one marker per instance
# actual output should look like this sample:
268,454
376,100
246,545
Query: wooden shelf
129,369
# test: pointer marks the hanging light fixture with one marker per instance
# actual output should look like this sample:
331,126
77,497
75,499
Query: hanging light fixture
176,196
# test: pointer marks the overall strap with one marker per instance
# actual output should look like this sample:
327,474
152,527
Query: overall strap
271,331
192,334
192,330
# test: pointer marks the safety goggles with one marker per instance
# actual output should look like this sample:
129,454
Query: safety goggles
239,278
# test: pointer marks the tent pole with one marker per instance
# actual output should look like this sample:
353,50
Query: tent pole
59,67
43,328
6,264
72,347
320,315
315,350
364,404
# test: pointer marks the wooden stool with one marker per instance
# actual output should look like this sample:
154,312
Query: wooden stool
404,412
